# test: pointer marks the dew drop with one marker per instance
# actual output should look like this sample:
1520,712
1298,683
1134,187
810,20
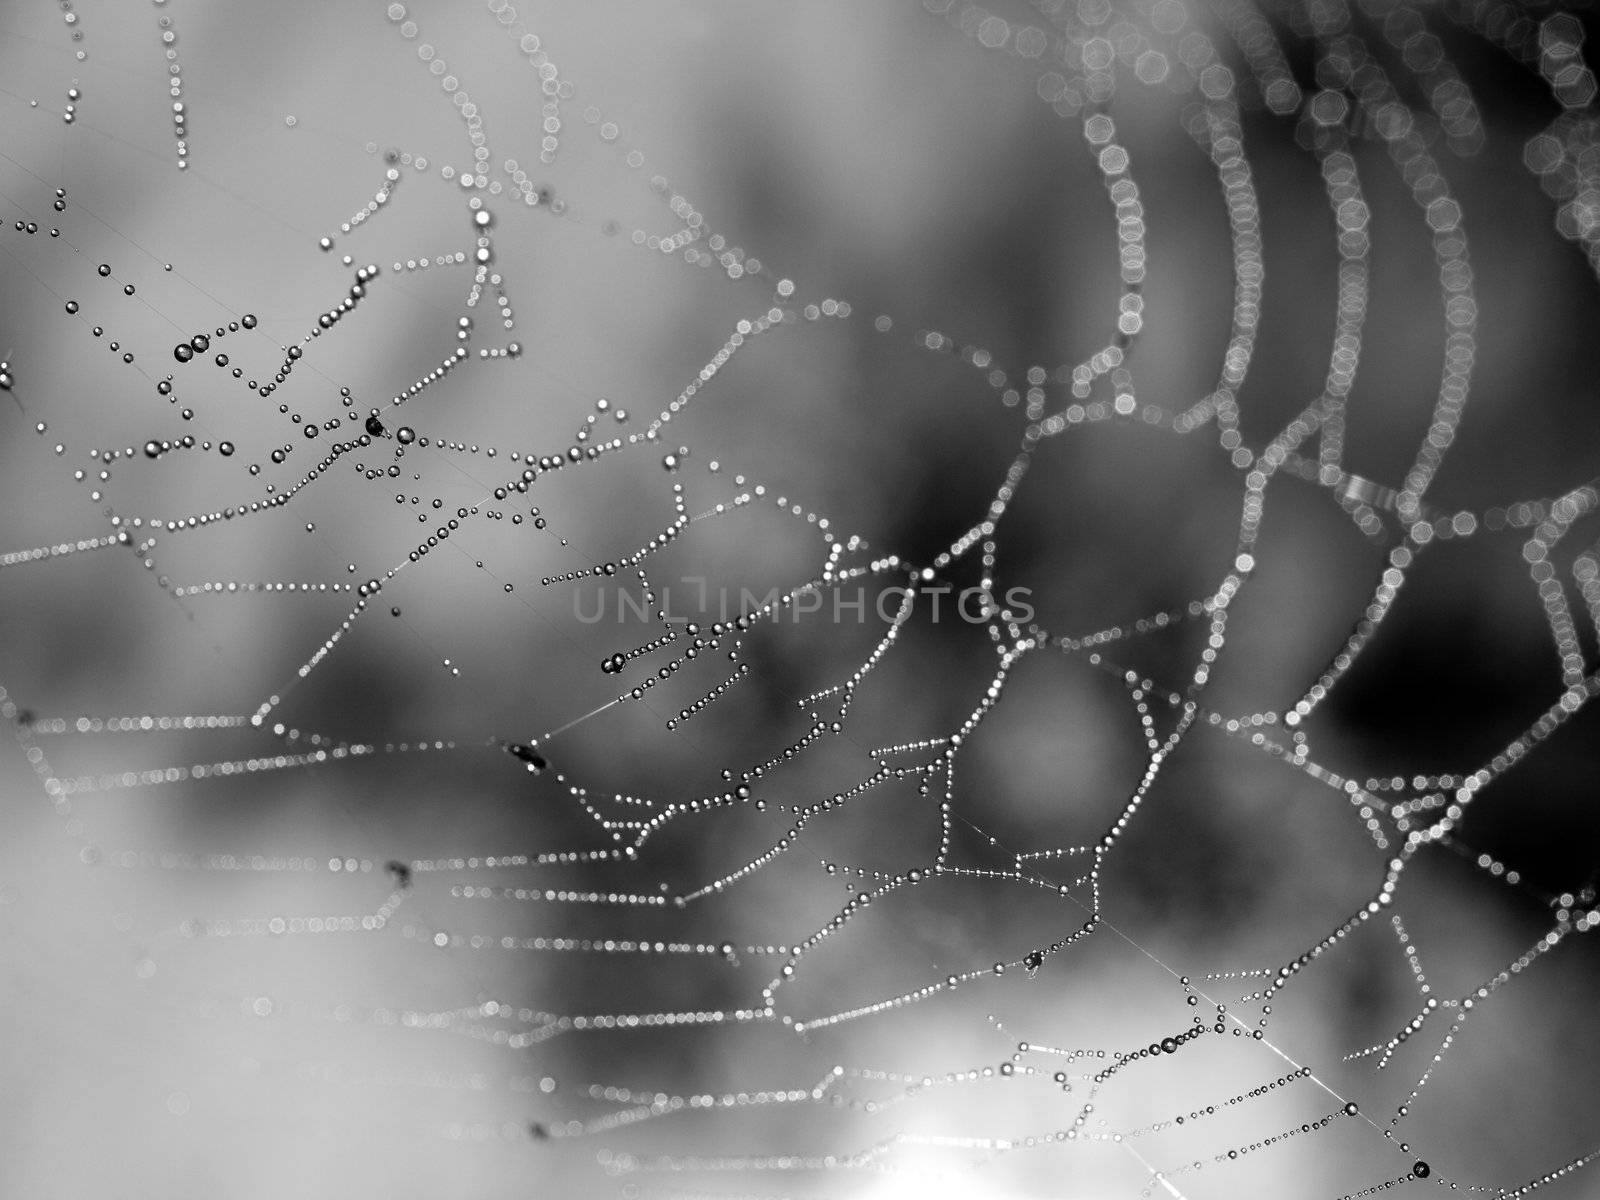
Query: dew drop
527,754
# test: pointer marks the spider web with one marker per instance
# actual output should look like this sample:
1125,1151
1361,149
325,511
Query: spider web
721,601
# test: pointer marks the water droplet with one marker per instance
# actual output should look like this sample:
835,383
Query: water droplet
527,754
183,352
405,435
225,449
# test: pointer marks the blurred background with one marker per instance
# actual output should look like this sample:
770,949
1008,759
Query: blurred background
217,984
